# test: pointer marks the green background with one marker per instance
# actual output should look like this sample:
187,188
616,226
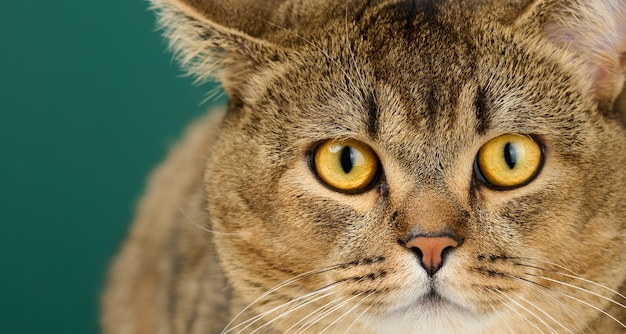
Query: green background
90,102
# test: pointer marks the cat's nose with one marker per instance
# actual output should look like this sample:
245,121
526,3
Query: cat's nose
431,251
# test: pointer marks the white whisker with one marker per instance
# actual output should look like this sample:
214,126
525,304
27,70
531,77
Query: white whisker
256,318
544,313
510,307
345,314
200,226
282,315
536,286
327,313
359,316
300,299
312,314
580,278
321,309
580,289
548,263
277,287
590,305
596,284
499,314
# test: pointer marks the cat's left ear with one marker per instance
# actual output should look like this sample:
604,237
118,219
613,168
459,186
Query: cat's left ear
221,39
594,31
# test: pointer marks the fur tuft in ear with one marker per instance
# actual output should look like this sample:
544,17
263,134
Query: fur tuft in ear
595,32
207,48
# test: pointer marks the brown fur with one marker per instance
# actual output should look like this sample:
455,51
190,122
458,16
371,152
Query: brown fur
425,84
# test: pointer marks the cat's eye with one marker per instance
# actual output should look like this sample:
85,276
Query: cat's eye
345,165
509,161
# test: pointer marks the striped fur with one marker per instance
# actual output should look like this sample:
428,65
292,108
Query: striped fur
236,234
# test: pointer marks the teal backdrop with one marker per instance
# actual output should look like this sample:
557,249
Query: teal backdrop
90,102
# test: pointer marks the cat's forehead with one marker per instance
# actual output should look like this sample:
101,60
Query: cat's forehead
433,60
426,65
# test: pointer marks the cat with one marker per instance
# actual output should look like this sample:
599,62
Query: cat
388,166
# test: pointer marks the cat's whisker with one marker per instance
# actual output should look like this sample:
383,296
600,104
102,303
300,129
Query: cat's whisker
583,302
535,306
192,221
313,317
530,311
319,310
499,314
280,286
348,312
596,308
510,305
573,276
299,302
579,288
312,314
578,277
304,303
360,314
596,284
536,287
328,312
545,262
284,284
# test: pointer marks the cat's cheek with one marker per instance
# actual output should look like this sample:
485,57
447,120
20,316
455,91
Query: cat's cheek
300,181
404,285
461,285
317,218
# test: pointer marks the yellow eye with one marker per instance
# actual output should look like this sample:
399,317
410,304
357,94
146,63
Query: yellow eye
509,161
346,165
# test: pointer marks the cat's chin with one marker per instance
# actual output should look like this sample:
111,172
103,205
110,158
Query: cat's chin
430,313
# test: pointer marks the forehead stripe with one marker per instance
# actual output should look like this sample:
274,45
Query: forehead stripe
483,113
372,118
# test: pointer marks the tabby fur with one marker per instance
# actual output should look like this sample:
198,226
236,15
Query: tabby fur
236,234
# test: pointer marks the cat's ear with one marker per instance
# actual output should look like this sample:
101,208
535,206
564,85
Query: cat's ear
593,31
219,39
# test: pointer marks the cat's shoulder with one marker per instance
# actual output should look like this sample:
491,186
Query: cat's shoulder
172,210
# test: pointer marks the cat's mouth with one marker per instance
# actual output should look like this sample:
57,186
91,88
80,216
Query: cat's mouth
432,307
434,301
422,314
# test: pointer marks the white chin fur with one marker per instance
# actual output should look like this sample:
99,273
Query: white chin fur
442,318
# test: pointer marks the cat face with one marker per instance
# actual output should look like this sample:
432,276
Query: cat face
418,167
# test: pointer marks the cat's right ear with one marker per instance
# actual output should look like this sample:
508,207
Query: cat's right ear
219,40
592,32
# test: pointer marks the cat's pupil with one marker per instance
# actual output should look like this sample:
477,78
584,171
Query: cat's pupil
347,159
509,155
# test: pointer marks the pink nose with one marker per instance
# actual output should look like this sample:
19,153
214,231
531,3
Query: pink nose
432,249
